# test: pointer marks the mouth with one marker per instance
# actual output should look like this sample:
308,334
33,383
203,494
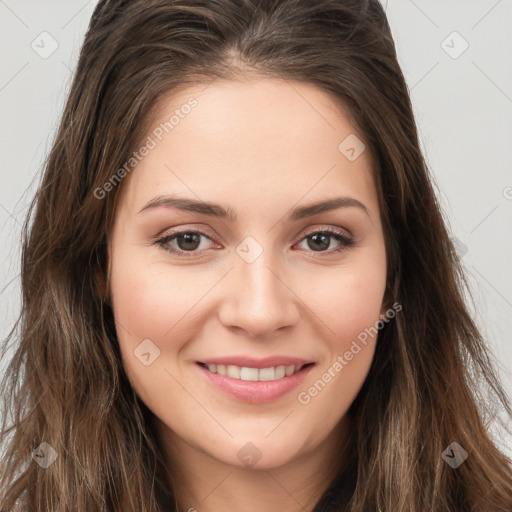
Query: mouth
255,385
246,373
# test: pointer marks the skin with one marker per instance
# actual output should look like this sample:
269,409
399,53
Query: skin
261,147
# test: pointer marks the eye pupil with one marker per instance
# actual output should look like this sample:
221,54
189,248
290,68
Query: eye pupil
188,238
316,238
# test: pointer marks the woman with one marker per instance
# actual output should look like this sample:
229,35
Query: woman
238,288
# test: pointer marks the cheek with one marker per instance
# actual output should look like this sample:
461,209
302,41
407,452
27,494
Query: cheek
149,300
349,300
351,311
151,303
143,309
140,305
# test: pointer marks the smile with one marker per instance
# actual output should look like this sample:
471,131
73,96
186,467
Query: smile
254,385
254,374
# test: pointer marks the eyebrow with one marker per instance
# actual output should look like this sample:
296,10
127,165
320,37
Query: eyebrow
216,210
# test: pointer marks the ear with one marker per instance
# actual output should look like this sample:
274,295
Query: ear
387,304
100,286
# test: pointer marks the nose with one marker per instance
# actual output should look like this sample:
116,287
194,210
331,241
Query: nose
258,299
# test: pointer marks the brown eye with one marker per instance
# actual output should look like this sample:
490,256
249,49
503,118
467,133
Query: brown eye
186,242
320,241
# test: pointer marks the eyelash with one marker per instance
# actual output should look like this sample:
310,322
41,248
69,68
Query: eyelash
346,242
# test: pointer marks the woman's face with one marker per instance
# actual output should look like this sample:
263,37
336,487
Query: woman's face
263,281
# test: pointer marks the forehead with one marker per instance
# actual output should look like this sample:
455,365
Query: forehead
247,138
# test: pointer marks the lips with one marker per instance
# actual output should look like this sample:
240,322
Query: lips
255,380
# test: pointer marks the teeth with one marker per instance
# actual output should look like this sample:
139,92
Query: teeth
250,374
254,374
265,373
233,371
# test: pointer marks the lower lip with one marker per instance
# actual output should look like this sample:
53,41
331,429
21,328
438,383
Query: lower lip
256,392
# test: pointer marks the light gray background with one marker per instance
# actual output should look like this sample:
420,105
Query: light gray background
462,103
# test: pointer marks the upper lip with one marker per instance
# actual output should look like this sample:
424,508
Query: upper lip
251,362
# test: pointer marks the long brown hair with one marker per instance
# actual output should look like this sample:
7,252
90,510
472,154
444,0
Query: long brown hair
432,380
